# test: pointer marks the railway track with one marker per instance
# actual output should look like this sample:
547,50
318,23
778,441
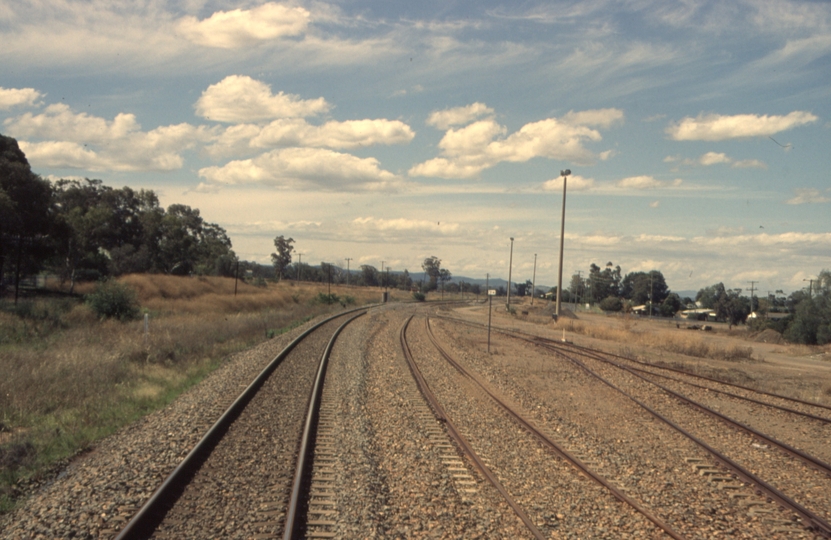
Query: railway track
570,506
224,471
798,486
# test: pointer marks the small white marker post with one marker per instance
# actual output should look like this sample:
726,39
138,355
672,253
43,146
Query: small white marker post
491,294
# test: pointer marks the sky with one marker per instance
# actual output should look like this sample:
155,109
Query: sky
697,133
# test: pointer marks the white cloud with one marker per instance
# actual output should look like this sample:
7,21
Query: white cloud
14,97
749,164
239,98
458,116
808,195
716,127
96,144
575,183
639,182
315,168
405,225
245,28
712,158
244,138
469,150
655,204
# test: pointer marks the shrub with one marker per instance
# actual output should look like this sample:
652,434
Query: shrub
611,303
323,298
113,300
419,296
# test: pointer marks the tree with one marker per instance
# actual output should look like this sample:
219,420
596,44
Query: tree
369,276
604,283
282,258
405,282
728,304
643,287
432,267
27,216
576,288
670,306
445,276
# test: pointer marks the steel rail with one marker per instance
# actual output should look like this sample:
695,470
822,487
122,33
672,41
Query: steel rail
551,444
811,520
453,431
145,521
304,463
743,398
540,339
788,449
706,378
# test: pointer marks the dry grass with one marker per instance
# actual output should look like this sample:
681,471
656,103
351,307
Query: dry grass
689,344
70,378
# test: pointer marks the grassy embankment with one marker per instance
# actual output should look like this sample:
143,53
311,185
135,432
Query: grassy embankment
69,379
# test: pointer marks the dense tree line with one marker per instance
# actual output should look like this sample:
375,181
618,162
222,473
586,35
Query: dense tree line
613,291
86,230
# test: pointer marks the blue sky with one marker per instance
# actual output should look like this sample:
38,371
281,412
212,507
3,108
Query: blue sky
698,133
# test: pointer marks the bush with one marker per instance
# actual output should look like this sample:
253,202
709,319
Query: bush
611,303
419,296
323,298
113,300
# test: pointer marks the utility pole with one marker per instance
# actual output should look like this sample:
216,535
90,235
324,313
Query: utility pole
752,284
347,270
381,275
534,281
564,174
510,264
299,266
810,287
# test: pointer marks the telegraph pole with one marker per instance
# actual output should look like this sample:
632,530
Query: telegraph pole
510,264
810,287
564,174
381,275
752,284
534,281
347,270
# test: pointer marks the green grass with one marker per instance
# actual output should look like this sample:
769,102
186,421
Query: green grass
71,379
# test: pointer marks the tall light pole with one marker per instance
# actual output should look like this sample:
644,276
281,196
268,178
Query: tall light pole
564,174
510,264
347,270
534,281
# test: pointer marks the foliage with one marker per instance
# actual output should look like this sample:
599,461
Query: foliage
728,304
811,321
282,258
432,267
670,306
644,287
114,300
611,303
369,276
26,215
419,296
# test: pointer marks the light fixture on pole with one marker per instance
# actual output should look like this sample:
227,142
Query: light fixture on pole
510,264
564,174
